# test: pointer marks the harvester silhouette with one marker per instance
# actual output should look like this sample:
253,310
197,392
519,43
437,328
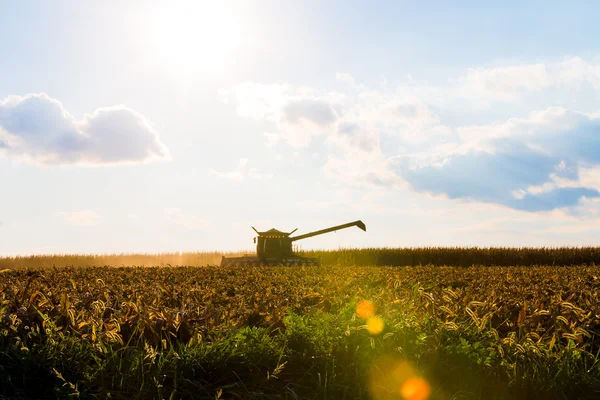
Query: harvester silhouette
274,247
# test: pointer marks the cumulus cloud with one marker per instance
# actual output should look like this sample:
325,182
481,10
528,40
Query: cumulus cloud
304,119
507,83
191,222
396,136
352,135
577,71
504,82
299,113
530,164
38,128
348,79
242,172
318,112
352,125
83,218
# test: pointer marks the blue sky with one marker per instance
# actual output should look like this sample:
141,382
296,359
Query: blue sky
147,126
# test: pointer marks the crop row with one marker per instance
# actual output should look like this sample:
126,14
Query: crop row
518,320
448,256
546,303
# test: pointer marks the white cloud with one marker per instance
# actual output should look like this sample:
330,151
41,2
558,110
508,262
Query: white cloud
297,112
543,123
39,129
192,222
349,79
83,218
506,83
588,177
576,71
351,124
304,119
396,136
352,136
503,83
242,172
301,114
545,161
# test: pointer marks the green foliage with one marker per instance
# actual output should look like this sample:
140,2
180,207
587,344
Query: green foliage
314,334
274,332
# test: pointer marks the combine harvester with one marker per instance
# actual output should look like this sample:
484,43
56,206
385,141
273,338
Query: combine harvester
274,247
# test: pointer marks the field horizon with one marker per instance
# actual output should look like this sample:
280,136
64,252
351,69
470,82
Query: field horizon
381,256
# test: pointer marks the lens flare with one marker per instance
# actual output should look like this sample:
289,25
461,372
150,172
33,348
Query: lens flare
393,378
375,325
365,309
415,388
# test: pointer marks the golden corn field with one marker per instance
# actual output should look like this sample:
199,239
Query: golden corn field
339,331
455,256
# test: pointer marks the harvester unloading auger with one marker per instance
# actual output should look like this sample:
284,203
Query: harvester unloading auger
274,247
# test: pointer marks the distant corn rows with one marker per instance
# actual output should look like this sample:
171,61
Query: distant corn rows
115,260
461,256
413,256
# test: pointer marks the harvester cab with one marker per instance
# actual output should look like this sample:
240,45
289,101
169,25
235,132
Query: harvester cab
274,247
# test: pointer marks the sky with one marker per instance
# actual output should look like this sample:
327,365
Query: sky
162,126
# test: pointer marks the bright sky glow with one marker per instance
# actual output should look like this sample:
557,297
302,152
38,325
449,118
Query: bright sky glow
150,126
193,37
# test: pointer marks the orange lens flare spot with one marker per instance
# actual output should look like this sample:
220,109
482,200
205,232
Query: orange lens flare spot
415,388
365,309
375,325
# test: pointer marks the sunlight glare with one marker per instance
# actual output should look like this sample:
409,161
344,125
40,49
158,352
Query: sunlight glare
397,379
192,37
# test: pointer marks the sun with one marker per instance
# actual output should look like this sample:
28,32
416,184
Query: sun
193,37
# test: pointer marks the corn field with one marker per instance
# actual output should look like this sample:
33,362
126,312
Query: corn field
335,331
449,256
